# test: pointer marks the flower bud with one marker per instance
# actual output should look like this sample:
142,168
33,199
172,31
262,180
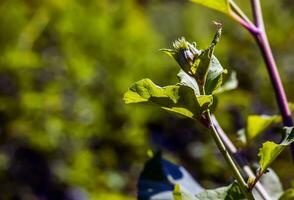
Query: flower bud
185,54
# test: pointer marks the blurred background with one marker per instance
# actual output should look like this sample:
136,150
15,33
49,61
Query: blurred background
65,132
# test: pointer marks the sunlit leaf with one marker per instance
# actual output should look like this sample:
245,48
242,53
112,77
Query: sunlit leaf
270,150
219,5
268,153
178,98
256,124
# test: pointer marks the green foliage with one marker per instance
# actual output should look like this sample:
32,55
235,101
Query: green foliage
219,5
64,66
256,124
201,65
178,98
270,150
200,76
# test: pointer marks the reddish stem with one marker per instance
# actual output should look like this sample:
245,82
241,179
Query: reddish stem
272,69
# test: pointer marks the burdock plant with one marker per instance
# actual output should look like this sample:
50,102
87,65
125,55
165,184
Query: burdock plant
200,79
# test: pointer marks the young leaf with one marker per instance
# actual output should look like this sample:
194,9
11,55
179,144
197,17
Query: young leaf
206,62
270,150
214,77
219,5
178,98
256,124
268,153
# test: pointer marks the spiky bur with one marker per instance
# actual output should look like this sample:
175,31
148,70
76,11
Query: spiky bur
184,53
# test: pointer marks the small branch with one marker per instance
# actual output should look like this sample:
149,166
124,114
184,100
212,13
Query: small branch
228,158
255,181
257,14
242,18
250,27
239,12
239,159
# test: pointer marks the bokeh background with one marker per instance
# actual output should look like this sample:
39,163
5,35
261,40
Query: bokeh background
65,132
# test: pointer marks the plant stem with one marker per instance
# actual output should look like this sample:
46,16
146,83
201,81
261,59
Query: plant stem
241,18
238,11
239,159
264,46
242,184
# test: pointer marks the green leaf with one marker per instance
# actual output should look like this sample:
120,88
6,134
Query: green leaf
188,81
198,67
206,62
231,192
178,98
214,77
268,153
213,80
219,5
230,84
270,150
256,124
288,195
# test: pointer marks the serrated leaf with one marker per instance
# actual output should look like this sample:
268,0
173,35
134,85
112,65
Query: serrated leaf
270,150
231,192
179,98
219,5
256,124
287,195
230,84
268,153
